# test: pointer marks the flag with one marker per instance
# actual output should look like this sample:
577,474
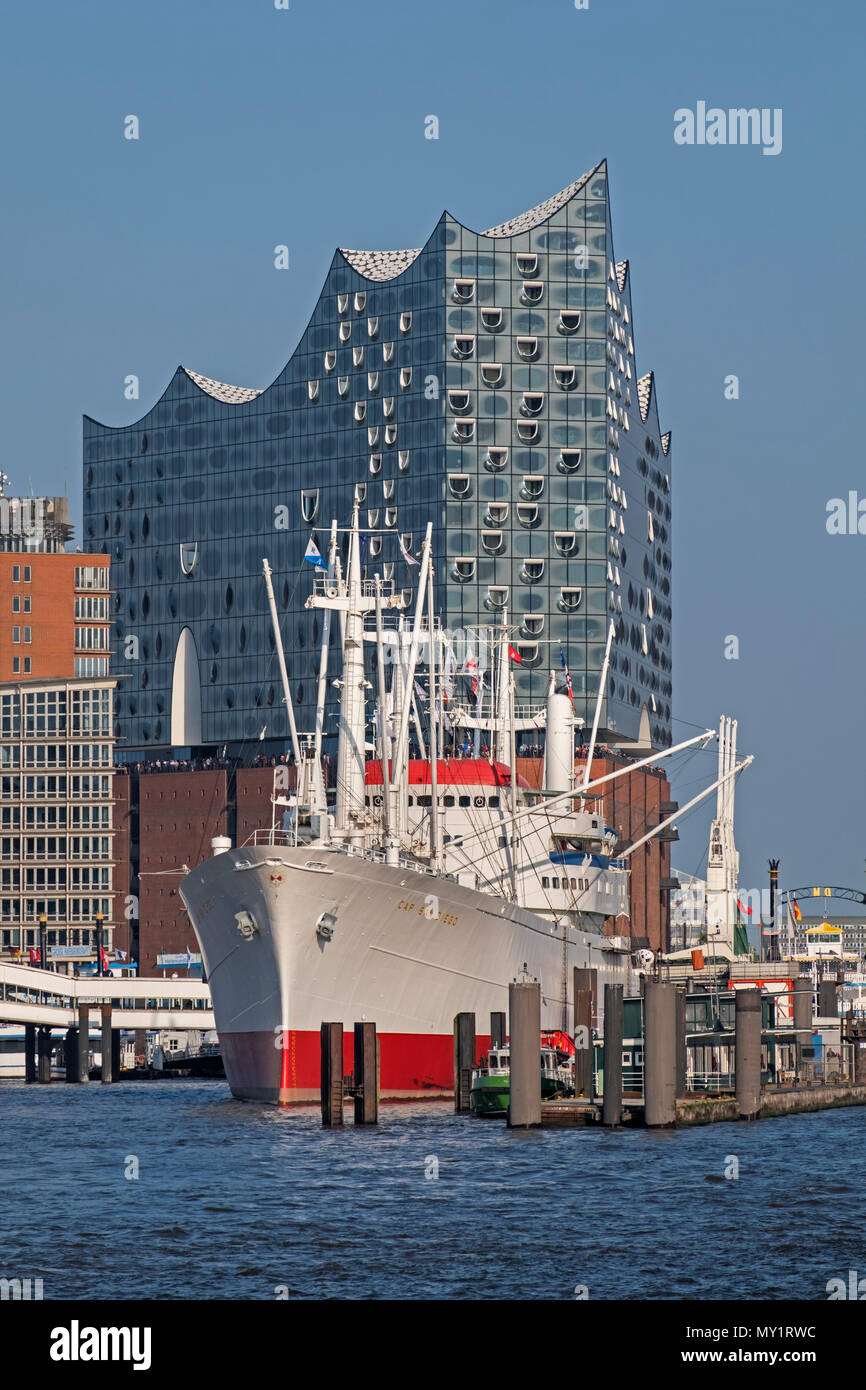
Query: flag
513,655
103,958
448,673
743,909
798,916
363,551
313,555
407,554
567,676
470,670
188,958
35,955
120,955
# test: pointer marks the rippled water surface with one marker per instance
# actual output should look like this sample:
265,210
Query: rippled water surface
234,1200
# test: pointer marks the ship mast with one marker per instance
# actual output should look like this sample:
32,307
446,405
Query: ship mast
281,658
350,600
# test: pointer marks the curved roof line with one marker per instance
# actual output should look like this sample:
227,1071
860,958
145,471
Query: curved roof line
387,265
380,265
220,390
645,385
526,221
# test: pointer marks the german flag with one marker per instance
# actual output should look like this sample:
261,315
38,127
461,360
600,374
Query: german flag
798,916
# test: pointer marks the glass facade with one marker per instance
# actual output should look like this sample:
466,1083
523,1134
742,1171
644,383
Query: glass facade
485,383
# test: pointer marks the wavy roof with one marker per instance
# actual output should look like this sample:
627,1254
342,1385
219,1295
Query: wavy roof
644,394
387,265
221,391
535,216
381,265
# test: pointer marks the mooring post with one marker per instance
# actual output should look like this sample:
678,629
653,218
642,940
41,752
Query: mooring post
30,1053
747,1055
115,1054
44,1049
464,1060
332,1074
497,1029
107,1077
366,1075
524,1031
660,1055
611,1112
70,1054
83,1042
584,991
858,1046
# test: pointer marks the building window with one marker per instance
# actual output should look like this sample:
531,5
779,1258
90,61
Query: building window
16,666
16,634
27,665
26,574
27,635
26,603
16,603
16,574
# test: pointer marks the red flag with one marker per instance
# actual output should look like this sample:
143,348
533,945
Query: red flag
744,909
104,958
513,655
35,955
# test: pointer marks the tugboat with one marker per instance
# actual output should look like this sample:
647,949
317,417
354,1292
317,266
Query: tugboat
491,1082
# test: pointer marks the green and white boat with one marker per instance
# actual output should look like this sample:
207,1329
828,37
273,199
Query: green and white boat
491,1082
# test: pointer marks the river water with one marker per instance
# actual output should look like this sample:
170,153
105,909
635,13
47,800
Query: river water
173,1190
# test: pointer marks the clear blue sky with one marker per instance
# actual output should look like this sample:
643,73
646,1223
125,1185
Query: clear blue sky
306,127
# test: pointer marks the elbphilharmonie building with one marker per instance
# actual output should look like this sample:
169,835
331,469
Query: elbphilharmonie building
485,382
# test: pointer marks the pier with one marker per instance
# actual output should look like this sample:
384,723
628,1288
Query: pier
45,1003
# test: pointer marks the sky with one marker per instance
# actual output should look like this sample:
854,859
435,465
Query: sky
305,127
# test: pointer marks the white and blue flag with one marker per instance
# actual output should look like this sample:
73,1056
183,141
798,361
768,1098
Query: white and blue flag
314,555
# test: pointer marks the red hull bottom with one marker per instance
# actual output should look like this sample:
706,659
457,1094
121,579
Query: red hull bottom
412,1066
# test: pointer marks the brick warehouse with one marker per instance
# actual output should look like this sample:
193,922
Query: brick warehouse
165,820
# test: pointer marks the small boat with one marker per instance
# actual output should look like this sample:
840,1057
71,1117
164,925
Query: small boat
491,1081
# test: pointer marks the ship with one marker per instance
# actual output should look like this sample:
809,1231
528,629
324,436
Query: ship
430,885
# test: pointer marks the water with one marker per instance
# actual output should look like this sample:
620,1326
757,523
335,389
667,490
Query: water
237,1200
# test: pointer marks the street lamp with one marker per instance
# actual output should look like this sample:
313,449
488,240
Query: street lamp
99,969
43,941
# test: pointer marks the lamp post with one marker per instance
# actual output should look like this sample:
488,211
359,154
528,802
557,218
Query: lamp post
43,941
99,944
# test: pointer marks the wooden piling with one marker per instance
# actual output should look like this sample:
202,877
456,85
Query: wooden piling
366,1074
70,1054
584,993
612,1102
30,1053
115,1054
83,1042
747,1059
524,1031
43,1042
464,1061
659,1055
105,1039
332,1074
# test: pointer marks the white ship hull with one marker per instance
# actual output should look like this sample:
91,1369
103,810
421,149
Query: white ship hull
294,937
